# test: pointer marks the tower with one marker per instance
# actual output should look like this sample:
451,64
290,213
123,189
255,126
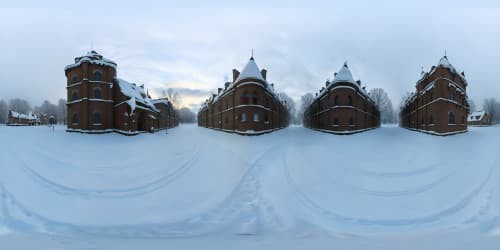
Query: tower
90,93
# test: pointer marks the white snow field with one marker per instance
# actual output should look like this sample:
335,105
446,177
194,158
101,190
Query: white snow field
196,188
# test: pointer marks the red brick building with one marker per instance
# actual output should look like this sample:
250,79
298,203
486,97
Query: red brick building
343,106
99,102
440,104
247,105
479,118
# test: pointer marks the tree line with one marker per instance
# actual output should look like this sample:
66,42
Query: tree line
58,110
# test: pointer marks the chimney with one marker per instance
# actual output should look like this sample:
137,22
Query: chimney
226,84
236,73
264,74
358,82
219,90
327,83
335,74
142,86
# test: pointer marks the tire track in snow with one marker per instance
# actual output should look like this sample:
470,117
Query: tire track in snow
334,216
152,186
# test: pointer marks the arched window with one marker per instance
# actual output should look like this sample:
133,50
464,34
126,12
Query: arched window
266,118
255,117
452,94
97,75
349,100
336,100
431,119
74,79
74,118
243,117
254,97
96,117
451,118
74,95
351,121
245,98
97,93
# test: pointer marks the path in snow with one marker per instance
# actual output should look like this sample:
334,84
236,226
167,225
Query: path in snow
197,181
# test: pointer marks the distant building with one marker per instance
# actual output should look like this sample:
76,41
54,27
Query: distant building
247,105
440,104
479,118
343,106
99,102
19,119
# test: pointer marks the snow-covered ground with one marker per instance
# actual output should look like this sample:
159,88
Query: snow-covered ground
294,188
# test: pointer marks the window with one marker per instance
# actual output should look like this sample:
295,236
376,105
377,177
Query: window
266,119
431,119
452,95
97,75
349,100
245,98
336,100
351,121
74,79
96,118
254,97
243,117
97,93
74,119
74,96
451,118
255,117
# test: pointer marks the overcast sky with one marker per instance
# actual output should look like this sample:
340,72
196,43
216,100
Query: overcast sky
192,46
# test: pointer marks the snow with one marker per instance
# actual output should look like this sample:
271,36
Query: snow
294,188
251,70
29,116
344,75
476,116
92,57
136,93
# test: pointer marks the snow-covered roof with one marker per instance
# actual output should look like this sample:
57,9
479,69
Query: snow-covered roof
136,94
251,70
476,116
29,116
344,75
92,57
444,62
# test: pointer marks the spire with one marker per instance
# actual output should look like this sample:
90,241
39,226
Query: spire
251,58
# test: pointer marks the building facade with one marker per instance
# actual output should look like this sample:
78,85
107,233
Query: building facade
479,118
247,105
343,106
19,119
99,102
440,104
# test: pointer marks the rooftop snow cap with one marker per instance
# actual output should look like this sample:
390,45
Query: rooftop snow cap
94,58
443,62
344,75
251,70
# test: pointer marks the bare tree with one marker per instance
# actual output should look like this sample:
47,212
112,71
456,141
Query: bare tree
61,111
4,110
19,105
492,107
305,101
186,116
290,106
472,105
384,105
173,96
